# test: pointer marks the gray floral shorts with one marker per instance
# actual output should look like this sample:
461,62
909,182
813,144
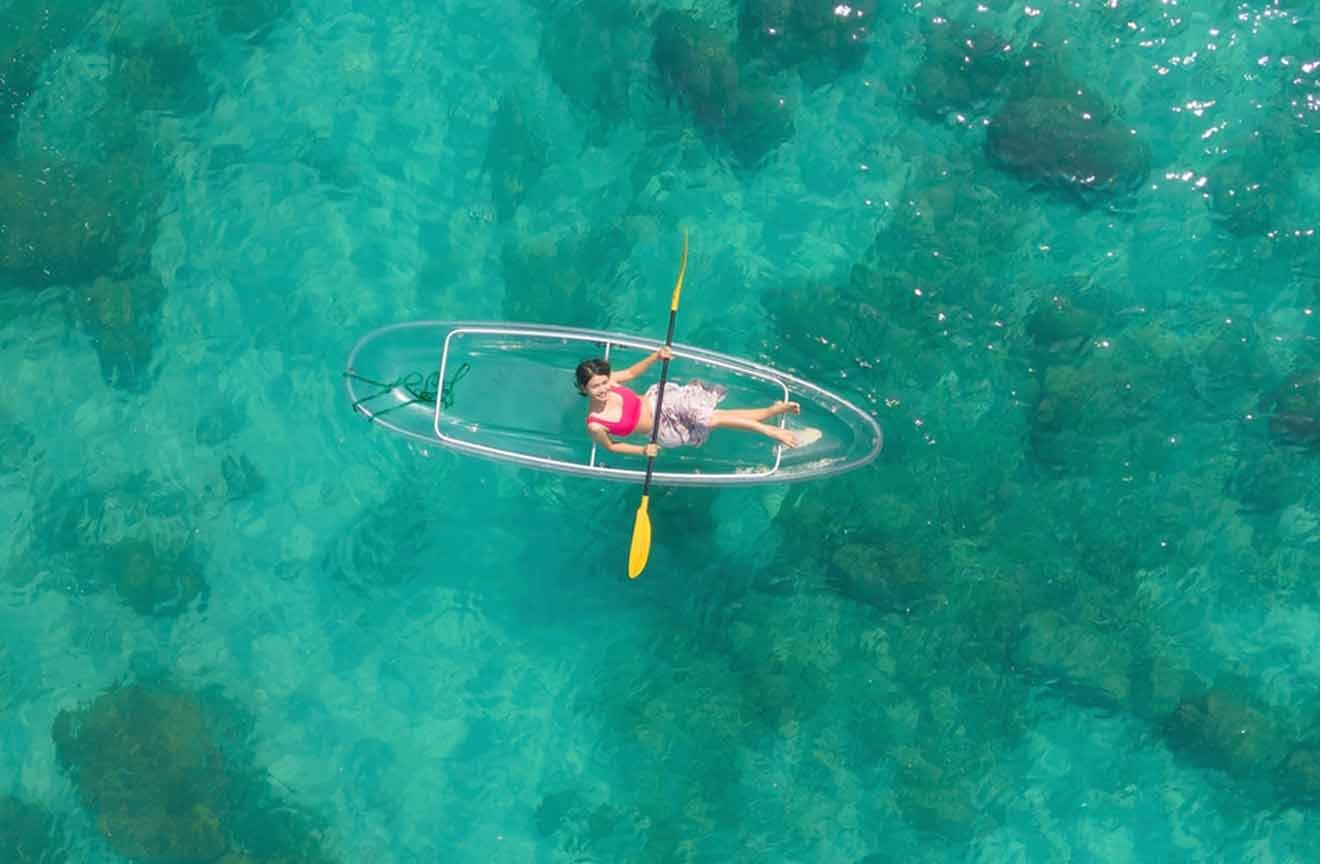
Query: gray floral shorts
686,412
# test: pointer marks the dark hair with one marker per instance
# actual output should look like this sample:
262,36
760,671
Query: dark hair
589,369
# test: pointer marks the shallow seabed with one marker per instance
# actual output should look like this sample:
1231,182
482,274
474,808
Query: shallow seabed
1064,252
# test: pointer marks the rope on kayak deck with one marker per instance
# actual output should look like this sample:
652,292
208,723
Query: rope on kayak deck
422,389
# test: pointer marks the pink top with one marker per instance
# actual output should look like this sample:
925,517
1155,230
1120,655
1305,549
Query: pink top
627,422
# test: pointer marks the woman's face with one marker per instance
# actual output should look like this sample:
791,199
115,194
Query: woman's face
598,387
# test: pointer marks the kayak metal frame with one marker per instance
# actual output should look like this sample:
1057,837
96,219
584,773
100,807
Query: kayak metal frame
574,467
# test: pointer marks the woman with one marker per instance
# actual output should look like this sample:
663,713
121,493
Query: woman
689,409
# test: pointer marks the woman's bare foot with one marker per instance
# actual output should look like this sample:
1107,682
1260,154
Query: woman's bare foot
785,408
783,436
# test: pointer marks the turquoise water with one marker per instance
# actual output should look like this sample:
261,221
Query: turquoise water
1068,616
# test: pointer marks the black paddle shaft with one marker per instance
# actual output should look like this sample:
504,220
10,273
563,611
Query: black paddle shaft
659,402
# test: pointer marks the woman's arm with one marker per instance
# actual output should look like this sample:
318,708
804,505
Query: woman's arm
601,437
641,365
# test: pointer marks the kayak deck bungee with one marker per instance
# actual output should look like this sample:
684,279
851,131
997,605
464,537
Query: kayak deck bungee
506,391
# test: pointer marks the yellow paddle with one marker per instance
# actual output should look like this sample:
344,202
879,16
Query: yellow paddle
640,549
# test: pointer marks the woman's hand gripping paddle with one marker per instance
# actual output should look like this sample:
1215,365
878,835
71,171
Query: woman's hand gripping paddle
641,536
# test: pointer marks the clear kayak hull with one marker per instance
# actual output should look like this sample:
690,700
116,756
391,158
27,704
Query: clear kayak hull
506,391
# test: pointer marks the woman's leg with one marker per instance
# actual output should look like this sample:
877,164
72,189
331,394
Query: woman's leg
774,409
735,420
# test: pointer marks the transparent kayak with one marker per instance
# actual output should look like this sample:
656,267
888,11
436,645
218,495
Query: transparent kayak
507,392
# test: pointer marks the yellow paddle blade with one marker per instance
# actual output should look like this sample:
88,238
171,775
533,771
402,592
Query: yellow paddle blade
682,268
641,542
